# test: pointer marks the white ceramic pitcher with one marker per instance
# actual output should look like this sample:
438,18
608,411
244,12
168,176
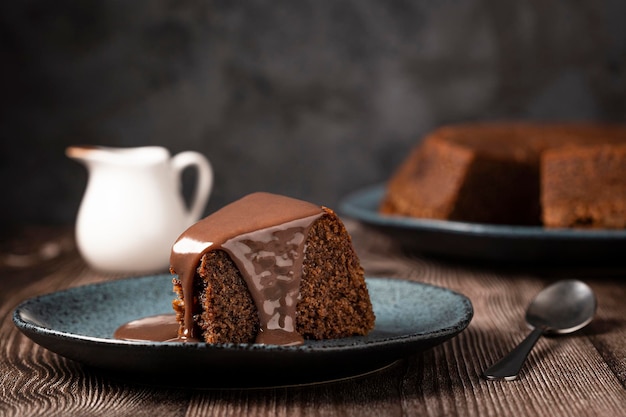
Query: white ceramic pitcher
133,209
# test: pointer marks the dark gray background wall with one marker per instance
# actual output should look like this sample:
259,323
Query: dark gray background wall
312,99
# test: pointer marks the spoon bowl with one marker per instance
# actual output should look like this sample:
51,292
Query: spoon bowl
563,307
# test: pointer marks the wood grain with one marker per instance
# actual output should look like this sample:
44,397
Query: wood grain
583,374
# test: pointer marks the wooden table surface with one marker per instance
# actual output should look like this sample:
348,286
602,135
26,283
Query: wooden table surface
583,374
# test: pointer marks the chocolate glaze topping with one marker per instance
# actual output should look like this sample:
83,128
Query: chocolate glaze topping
265,236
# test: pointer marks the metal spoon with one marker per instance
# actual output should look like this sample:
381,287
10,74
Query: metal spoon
562,307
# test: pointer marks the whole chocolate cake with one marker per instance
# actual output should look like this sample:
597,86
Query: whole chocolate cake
269,269
515,173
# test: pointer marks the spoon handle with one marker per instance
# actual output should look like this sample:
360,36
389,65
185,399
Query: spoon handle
509,366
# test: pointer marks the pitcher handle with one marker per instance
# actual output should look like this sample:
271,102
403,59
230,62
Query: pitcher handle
204,180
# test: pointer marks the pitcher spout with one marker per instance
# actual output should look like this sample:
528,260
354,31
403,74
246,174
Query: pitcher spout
80,153
140,155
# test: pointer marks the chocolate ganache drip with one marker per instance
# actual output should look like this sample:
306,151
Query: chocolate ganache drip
265,235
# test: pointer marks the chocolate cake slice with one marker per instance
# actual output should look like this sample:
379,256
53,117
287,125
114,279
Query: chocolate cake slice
269,269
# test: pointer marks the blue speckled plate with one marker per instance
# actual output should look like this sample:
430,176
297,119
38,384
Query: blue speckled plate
78,323
488,242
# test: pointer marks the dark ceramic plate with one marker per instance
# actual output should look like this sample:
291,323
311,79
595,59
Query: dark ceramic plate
78,323
488,242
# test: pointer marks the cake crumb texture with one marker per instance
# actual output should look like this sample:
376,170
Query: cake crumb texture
584,186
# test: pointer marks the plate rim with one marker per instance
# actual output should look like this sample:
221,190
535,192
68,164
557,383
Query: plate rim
27,326
357,206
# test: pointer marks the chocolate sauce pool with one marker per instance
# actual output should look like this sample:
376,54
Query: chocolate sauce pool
161,328
265,236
